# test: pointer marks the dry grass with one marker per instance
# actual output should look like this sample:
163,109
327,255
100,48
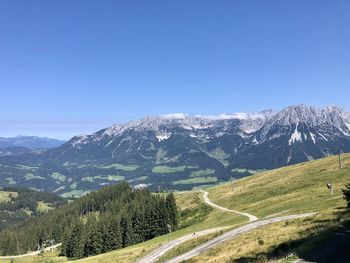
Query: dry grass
48,257
298,188
272,240
43,207
5,196
187,246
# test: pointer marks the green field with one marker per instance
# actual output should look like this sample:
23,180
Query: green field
10,180
59,177
220,155
202,173
117,166
168,169
26,167
30,176
243,170
199,180
75,193
103,177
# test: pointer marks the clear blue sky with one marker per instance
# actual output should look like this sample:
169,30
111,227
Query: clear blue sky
69,67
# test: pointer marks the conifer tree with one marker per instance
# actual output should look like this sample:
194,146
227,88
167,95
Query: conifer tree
94,239
171,209
127,231
77,239
112,237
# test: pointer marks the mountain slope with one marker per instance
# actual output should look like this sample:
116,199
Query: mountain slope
14,150
179,151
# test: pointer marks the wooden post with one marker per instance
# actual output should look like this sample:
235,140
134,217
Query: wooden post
340,163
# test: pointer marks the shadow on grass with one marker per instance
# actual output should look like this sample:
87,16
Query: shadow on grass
328,242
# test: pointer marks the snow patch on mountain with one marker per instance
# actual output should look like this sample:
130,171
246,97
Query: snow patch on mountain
192,135
110,142
163,136
313,136
348,127
220,134
289,156
79,140
296,136
345,133
323,136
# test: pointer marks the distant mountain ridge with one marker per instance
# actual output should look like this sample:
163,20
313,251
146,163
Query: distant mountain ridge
31,142
176,151
14,150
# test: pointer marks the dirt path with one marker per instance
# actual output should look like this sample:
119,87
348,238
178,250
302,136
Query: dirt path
207,200
31,253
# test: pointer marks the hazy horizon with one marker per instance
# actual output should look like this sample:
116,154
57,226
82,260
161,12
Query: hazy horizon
90,128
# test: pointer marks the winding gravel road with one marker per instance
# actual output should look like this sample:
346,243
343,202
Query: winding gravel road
232,233
207,200
157,253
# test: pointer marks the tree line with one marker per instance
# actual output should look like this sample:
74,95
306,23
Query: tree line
108,219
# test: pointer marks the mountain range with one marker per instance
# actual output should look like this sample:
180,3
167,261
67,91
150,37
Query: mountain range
178,151
30,142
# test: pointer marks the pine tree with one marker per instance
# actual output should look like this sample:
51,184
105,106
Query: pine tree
111,233
94,239
127,231
66,247
138,224
171,209
161,217
74,245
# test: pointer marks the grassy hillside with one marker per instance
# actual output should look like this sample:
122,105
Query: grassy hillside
298,188
289,190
